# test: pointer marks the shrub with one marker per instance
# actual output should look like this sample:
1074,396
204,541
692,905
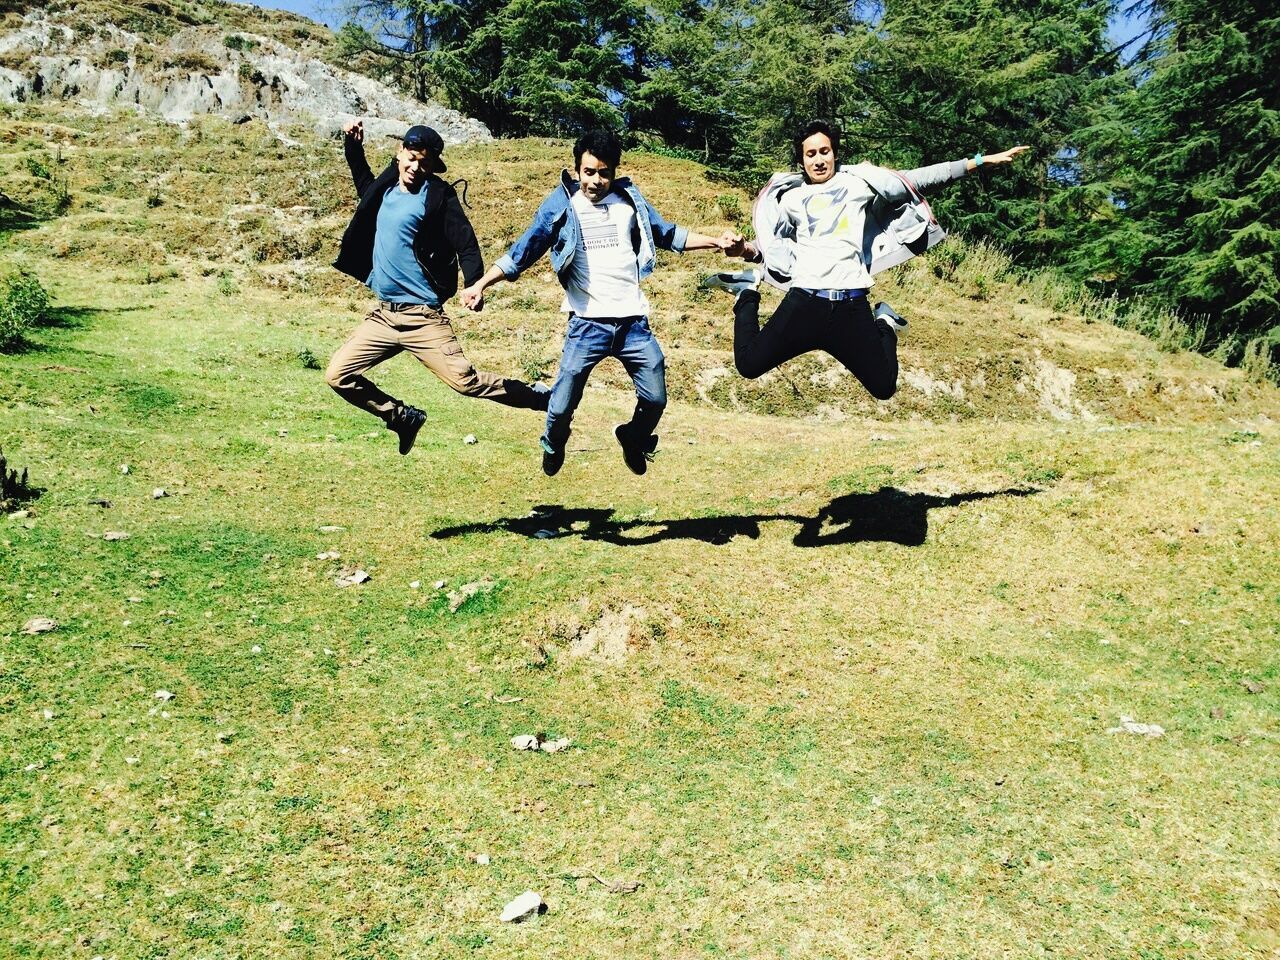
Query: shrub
308,359
37,168
237,42
193,61
24,304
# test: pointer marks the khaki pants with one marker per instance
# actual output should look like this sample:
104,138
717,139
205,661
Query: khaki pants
426,333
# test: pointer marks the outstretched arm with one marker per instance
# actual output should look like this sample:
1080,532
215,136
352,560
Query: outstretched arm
939,173
700,241
353,149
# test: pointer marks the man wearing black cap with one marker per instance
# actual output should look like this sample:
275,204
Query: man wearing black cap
406,241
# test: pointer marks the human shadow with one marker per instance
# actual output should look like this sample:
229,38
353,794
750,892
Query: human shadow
888,515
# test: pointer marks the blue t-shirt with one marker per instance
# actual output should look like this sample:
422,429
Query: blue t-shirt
396,276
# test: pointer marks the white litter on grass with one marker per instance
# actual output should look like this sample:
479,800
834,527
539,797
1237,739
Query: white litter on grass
115,535
39,625
439,584
470,439
415,584
1129,725
539,741
164,695
527,905
479,858
48,714
255,649
124,468
351,578
132,760
159,493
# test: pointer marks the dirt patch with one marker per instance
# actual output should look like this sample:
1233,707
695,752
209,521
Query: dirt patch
613,636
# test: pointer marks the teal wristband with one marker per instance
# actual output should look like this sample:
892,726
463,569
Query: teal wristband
977,159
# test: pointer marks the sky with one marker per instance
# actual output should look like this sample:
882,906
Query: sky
329,12
322,11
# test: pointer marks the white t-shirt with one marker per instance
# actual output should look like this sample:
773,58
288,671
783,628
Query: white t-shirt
829,220
604,279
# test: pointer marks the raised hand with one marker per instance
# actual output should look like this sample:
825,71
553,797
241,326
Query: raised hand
354,131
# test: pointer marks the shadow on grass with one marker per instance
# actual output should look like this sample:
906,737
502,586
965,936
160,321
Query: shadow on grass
889,515
62,318
14,217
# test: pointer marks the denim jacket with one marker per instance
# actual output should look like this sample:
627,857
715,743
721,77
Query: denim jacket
555,227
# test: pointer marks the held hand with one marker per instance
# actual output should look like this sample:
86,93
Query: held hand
732,244
1004,157
354,131
472,298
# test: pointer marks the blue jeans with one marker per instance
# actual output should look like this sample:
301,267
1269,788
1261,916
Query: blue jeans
586,343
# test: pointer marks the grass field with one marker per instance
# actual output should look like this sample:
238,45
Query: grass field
839,681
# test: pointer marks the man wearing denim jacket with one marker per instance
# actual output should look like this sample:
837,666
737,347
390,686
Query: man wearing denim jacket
603,238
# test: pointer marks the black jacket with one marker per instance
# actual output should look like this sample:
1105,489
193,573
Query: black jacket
445,241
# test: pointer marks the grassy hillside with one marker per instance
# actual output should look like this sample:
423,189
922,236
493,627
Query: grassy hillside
839,681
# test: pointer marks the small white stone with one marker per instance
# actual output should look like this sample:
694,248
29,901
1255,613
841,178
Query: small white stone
132,760
48,714
469,439
440,584
415,584
255,649
527,905
159,493
163,695
526,741
124,468
39,625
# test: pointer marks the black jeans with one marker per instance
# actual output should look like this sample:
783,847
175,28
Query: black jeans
843,328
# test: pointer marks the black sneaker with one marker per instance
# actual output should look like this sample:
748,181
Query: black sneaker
405,424
552,460
637,456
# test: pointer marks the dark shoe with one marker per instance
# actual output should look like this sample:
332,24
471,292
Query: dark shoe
552,460
636,455
405,424
891,319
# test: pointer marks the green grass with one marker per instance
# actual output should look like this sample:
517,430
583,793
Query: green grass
862,713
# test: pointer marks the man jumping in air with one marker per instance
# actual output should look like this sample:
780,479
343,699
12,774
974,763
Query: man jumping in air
833,229
406,241
603,237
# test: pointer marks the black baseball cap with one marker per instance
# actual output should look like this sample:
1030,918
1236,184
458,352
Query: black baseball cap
424,138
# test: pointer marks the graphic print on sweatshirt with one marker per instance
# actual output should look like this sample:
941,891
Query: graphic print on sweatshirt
604,279
828,212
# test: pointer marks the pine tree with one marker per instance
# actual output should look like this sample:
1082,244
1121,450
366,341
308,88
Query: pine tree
1192,209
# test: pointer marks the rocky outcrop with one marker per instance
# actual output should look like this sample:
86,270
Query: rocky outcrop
203,70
